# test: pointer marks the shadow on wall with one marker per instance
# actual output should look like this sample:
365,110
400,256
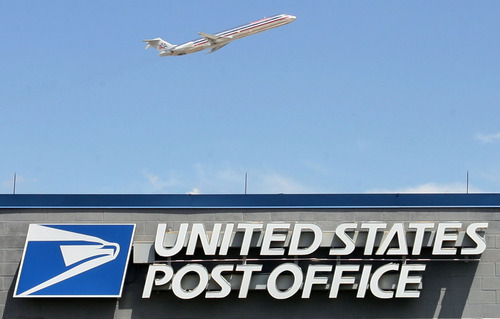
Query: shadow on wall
445,291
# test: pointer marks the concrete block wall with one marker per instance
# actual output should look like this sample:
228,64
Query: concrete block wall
450,289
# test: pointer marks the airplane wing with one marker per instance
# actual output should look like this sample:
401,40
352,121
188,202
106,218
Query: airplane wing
218,47
215,39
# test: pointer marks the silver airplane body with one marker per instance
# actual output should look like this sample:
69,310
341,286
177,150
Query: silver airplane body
216,41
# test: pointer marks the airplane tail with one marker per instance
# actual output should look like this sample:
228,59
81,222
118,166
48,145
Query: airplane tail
159,44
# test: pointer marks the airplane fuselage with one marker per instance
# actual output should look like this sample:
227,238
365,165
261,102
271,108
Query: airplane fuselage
218,40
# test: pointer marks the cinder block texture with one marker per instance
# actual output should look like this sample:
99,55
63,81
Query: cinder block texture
450,288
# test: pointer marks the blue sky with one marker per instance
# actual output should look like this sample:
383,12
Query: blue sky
352,97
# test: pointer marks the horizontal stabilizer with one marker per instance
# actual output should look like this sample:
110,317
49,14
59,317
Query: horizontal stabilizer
151,43
159,44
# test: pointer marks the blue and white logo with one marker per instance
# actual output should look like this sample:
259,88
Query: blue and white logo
74,261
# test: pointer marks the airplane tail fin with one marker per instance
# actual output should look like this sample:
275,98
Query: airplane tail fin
159,44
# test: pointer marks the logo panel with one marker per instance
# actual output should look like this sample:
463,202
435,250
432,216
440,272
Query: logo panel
74,261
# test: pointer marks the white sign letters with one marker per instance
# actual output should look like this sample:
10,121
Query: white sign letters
286,259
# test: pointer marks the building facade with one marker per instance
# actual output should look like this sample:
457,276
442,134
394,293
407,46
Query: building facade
250,256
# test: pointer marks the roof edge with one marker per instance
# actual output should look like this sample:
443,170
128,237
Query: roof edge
248,200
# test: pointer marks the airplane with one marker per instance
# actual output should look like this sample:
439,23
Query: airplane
216,41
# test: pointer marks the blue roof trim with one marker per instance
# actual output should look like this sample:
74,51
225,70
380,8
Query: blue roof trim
251,201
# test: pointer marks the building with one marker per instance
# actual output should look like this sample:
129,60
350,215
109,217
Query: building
249,256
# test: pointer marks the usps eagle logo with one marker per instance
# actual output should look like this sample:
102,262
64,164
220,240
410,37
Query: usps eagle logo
74,261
